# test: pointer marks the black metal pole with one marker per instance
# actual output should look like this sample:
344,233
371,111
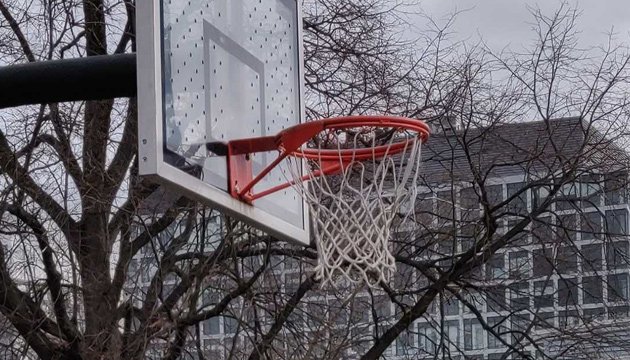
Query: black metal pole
88,78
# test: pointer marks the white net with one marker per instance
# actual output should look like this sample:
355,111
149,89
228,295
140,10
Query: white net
353,210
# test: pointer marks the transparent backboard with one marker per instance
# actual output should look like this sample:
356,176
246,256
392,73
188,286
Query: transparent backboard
213,71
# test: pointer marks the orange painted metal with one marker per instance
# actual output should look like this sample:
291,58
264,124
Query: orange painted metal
289,142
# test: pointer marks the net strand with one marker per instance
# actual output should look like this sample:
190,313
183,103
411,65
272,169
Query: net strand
353,211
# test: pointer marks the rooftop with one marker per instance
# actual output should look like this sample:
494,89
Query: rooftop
519,148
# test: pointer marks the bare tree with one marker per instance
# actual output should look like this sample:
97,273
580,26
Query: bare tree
517,216
98,263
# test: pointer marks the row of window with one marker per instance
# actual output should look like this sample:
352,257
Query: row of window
591,191
561,293
457,337
424,342
565,292
467,335
546,261
514,266
521,264
613,290
160,241
536,263
569,228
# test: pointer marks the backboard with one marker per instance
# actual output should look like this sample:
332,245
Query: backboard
212,71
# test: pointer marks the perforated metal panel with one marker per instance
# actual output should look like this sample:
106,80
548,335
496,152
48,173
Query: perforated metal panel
228,70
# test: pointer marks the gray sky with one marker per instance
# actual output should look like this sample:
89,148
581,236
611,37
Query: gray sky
508,22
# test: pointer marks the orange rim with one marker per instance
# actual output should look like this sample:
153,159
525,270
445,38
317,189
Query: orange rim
377,152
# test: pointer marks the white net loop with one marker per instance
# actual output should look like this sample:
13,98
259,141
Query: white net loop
353,210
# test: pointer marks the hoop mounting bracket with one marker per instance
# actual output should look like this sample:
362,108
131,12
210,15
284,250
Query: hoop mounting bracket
241,180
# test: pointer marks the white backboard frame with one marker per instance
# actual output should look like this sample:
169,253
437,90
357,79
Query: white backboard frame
151,132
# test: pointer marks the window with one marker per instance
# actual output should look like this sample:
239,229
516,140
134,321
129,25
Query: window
540,194
446,240
337,312
167,235
251,264
520,327
567,226
361,310
473,335
519,296
543,293
232,344
211,326
212,348
452,330
618,287
615,188
542,262
469,203
445,206
133,268
592,290
496,299
518,205
427,339
469,199
568,197
290,263
231,324
451,306
405,344
292,282
591,225
382,307
467,236
361,339
402,243
591,191
434,308
566,260
424,208
567,292
617,222
495,194
617,255
170,278
544,320
276,261
541,230
591,257
495,267
519,265
316,313
403,277
498,326
475,299
211,297
521,238
568,318
146,270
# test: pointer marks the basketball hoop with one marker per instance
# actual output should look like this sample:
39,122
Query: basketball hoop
354,173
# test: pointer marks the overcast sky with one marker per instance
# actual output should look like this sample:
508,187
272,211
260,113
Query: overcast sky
508,22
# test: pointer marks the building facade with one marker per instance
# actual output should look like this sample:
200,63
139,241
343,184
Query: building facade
551,197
